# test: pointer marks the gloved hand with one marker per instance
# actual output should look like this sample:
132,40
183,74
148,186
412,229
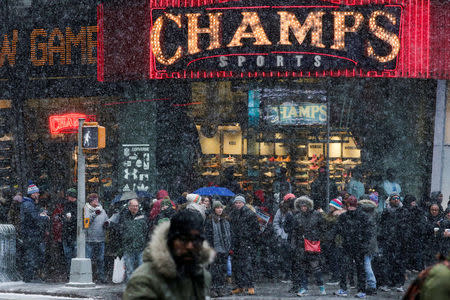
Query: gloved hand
106,224
98,211
231,252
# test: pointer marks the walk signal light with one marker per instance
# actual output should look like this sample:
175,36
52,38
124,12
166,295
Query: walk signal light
93,136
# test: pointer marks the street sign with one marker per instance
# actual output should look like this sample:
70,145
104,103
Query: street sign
93,136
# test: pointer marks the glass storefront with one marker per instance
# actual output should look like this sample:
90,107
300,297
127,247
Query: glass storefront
256,127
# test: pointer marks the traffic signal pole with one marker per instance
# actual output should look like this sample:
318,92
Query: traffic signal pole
80,267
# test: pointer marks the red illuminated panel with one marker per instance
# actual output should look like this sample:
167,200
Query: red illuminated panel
100,45
67,123
424,50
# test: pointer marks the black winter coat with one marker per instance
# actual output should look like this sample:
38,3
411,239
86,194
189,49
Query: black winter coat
69,225
244,229
393,228
309,225
357,229
417,222
432,241
444,241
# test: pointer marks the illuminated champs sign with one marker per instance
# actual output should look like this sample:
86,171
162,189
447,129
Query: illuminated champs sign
278,38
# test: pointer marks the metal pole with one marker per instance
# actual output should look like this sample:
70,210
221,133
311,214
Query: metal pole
80,267
328,151
81,238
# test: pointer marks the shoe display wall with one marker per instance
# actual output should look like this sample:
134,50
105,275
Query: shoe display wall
263,153
6,151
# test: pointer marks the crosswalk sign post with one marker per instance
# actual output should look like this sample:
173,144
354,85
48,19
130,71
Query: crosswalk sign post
93,136
80,266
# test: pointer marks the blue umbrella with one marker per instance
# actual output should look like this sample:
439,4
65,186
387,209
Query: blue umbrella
214,191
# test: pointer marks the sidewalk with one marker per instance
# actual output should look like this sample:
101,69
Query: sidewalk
268,290
106,291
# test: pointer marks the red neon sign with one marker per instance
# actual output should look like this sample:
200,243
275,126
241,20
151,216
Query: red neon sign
67,123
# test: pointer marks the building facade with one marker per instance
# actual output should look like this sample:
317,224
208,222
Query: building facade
191,90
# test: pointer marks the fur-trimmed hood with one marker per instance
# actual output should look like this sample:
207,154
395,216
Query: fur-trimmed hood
158,252
303,200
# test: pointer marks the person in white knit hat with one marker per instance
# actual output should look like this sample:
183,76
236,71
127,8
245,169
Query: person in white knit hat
194,203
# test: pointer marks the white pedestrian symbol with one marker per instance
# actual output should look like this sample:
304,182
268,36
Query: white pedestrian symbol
87,139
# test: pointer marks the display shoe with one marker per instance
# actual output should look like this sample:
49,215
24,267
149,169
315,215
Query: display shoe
94,179
314,167
6,137
320,159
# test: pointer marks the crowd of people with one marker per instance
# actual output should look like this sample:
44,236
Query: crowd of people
353,240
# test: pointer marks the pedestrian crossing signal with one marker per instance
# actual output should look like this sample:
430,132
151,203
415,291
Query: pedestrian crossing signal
93,136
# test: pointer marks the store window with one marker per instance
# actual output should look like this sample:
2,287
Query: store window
259,127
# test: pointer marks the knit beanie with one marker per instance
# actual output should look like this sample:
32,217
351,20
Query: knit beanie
32,188
239,198
217,204
183,222
374,197
161,194
198,208
193,198
351,201
408,200
288,196
336,203
72,192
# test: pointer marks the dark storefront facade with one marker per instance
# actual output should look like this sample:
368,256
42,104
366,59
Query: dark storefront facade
179,122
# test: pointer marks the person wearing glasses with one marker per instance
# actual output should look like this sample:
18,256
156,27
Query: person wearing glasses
133,229
175,262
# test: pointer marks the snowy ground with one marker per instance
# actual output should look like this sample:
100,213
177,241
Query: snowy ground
264,290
